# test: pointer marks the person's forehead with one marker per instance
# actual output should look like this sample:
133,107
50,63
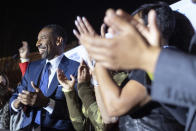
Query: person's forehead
45,32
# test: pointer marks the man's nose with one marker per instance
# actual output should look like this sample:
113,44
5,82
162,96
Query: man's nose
38,43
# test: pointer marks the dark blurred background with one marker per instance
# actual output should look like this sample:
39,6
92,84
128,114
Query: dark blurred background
22,20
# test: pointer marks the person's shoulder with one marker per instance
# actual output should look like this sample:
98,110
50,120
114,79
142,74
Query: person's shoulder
138,75
72,62
35,63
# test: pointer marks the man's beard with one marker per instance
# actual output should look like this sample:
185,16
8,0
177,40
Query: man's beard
43,51
44,55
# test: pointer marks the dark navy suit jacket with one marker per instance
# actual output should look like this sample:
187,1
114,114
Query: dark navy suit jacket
59,119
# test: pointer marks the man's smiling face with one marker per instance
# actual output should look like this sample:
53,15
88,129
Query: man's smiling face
46,43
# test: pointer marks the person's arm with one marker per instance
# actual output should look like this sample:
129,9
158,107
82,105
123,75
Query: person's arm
176,85
24,57
117,101
91,109
175,79
73,104
87,96
75,112
105,117
14,103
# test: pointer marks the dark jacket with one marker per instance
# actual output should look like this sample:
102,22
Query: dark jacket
59,119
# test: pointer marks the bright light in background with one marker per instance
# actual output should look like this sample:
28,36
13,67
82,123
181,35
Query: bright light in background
187,8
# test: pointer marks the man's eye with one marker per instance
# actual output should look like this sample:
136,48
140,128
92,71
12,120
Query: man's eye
44,37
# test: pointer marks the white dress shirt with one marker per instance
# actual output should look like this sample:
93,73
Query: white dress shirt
52,70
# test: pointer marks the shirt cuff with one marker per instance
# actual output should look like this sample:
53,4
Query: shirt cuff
13,108
50,106
23,60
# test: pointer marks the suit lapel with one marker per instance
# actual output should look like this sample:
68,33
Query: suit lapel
38,72
54,83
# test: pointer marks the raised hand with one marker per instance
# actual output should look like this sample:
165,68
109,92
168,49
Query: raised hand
24,50
150,32
83,27
127,50
67,84
83,73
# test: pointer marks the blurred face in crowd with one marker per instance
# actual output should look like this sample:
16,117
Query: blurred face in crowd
2,81
3,85
46,44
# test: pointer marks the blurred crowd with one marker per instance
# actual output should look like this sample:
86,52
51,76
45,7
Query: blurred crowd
139,75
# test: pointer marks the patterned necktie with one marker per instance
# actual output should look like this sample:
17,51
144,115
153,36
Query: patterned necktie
44,87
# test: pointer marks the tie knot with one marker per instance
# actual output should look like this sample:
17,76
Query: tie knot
48,65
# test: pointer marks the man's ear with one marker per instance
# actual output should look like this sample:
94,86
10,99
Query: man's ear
59,41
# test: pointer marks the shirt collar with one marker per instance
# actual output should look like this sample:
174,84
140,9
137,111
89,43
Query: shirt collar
55,61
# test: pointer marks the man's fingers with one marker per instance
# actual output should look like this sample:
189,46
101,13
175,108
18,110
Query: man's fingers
24,102
79,69
72,78
82,25
152,20
64,78
58,75
94,41
153,23
26,92
78,27
116,22
143,29
76,34
34,87
103,27
124,15
24,96
153,27
61,76
88,25
97,46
